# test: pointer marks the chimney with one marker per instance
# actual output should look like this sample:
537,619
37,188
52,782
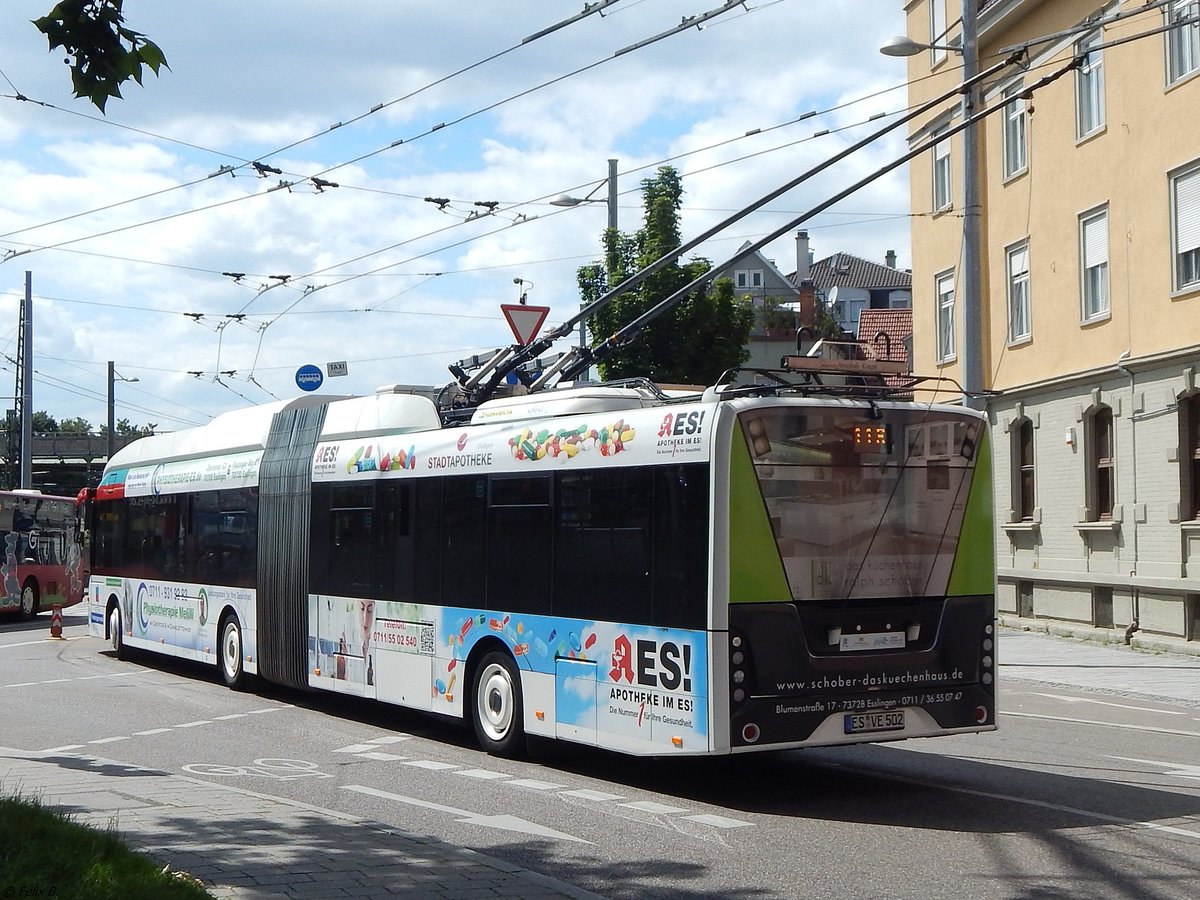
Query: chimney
803,258
890,259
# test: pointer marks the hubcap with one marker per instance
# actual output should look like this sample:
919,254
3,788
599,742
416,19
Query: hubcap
27,601
233,650
495,702
114,628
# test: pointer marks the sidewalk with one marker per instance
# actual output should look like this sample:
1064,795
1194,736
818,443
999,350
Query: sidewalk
1139,640
245,845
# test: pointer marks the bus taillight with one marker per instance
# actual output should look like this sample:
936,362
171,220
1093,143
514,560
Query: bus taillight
737,671
981,714
750,733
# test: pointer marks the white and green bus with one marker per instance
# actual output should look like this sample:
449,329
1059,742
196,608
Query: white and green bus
731,570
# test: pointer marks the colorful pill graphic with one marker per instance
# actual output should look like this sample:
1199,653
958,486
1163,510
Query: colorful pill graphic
520,649
451,667
574,639
466,626
520,628
495,625
553,634
540,646
450,684
440,686
591,639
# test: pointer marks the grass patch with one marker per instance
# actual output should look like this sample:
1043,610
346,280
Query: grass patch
43,853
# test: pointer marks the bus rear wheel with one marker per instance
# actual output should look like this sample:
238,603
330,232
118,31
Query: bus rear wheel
30,599
116,633
229,654
496,706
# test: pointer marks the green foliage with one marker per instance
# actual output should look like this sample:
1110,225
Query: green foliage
44,423
104,54
694,342
34,839
74,425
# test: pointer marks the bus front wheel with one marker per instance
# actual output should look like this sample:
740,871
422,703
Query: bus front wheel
496,706
30,601
116,634
230,654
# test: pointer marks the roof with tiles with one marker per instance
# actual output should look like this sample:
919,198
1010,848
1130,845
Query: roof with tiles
847,270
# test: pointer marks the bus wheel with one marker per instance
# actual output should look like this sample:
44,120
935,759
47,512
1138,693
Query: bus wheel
30,601
230,661
116,635
496,706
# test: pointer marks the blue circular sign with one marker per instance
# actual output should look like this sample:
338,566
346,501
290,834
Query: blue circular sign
309,378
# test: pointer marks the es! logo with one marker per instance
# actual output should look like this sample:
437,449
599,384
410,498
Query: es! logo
652,664
462,442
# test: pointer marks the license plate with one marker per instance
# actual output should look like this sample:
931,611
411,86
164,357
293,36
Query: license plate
884,640
860,723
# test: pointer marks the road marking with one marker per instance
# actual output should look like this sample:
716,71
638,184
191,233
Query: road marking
268,709
194,724
503,822
110,740
585,794
57,680
270,767
651,807
717,821
1165,712
355,748
480,773
29,643
63,749
432,764
535,785
390,739
230,716
1177,769
379,754
153,731
1152,728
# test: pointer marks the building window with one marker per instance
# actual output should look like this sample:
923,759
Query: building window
944,289
1018,292
1024,494
1014,131
1089,87
1183,41
937,29
941,172
1189,456
1025,599
746,279
1102,606
1101,471
1185,215
1093,252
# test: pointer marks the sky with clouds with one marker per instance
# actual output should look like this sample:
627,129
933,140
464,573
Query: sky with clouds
153,242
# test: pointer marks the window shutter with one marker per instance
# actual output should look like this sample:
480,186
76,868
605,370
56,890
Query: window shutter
1095,241
1187,212
1018,262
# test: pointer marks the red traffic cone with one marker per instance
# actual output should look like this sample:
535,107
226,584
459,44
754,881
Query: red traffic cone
56,622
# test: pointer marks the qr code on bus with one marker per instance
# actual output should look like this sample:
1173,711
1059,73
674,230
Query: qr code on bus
427,639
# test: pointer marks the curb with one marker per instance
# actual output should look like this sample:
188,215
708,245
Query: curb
1110,637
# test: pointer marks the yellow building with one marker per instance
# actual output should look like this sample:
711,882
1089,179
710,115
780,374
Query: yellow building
1088,308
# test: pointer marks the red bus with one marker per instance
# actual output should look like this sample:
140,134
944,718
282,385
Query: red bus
41,558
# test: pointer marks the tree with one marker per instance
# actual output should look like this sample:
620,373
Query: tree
44,423
696,340
74,425
104,54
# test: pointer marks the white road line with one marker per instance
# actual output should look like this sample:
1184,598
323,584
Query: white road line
379,754
24,684
585,794
153,731
269,709
194,724
390,739
1152,728
483,774
230,716
64,748
651,807
717,821
535,785
1165,712
57,681
432,764
28,643
110,740
355,748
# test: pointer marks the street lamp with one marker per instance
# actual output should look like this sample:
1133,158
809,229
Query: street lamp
113,377
972,349
567,200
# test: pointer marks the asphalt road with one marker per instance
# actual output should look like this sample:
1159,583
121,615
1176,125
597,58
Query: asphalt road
1091,787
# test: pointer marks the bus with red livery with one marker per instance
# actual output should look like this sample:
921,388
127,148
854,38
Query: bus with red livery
41,558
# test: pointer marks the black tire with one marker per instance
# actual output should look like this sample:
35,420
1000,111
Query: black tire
116,632
31,599
496,708
229,654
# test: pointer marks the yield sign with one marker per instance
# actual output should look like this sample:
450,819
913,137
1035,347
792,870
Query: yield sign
525,321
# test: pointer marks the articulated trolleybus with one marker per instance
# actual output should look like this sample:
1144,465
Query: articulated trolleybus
41,560
744,568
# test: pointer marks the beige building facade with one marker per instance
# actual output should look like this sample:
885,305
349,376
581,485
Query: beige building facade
1089,300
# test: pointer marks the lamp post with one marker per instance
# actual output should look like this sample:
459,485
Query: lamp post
113,377
972,301
567,200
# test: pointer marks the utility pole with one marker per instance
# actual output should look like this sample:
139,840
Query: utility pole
972,300
25,384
